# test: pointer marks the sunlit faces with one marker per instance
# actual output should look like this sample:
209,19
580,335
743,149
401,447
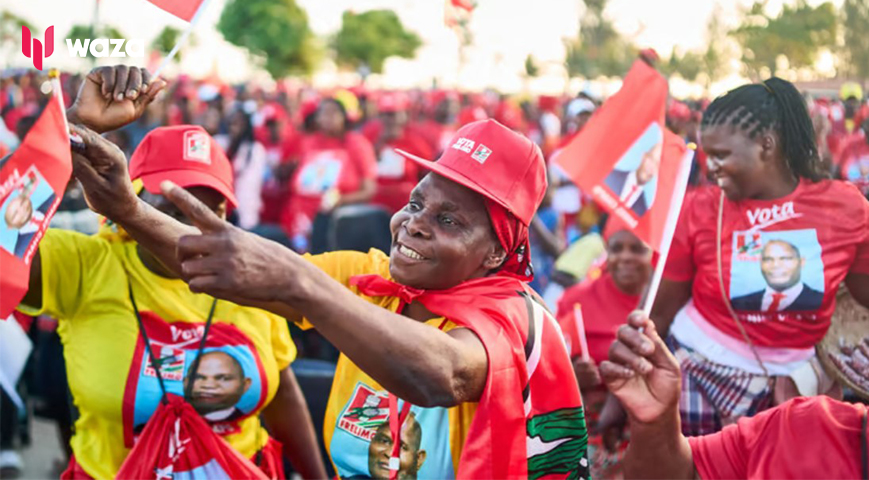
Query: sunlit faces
629,261
734,161
442,237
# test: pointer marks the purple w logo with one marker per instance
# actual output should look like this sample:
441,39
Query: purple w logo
36,52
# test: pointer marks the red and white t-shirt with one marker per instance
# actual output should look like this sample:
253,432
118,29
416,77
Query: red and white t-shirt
396,175
604,309
782,260
854,161
807,437
326,163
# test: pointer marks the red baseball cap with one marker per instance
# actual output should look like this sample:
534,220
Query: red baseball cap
186,155
391,102
496,162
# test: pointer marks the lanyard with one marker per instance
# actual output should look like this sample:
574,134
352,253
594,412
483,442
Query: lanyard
155,362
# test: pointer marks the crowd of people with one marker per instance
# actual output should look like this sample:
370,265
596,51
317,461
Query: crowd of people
322,210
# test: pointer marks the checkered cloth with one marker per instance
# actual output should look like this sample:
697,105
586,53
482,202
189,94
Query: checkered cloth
715,395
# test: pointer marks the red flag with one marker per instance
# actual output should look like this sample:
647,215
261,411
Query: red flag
32,183
183,9
463,4
625,157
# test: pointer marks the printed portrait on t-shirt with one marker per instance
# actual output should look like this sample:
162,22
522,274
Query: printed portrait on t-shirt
23,211
390,164
321,172
362,442
857,172
777,271
634,179
228,384
218,385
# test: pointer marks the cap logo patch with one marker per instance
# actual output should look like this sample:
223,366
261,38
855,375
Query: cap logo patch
481,153
197,148
464,145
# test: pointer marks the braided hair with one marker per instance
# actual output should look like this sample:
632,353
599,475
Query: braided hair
774,105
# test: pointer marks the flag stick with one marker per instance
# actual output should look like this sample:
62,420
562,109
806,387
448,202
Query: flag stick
579,322
57,92
670,227
183,39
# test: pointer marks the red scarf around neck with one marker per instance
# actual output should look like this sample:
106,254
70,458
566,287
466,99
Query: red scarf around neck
529,422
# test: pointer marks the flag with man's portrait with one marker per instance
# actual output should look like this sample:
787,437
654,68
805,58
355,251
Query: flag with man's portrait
32,182
626,159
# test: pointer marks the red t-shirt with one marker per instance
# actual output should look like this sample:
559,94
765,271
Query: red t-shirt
326,163
782,260
396,175
807,437
437,135
854,160
604,309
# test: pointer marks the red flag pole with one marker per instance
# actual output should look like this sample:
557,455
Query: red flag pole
670,227
183,39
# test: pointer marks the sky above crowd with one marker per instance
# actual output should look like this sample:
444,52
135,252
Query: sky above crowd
505,33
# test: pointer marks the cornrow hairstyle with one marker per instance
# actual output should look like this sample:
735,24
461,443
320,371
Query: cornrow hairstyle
773,105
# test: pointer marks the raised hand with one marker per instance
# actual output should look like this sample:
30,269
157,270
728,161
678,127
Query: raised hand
111,97
641,372
102,170
228,262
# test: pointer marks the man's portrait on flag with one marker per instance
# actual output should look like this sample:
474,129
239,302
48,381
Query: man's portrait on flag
777,272
634,179
23,211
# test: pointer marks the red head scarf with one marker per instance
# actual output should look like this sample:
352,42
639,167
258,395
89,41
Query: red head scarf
513,237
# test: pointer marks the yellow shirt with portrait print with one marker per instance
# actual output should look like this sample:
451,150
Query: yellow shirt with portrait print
358,405
85,286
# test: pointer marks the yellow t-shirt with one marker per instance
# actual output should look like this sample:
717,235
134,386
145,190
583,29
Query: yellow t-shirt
85,285
358,409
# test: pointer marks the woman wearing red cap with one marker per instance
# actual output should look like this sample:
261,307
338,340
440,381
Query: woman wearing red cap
396,176
336,167
451,367
120,308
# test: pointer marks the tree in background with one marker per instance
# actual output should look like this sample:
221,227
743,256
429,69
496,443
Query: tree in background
855,50
599,50
715,61
798,33
10,31
165,41
10,26
705,66
531,68
276,30
687,65
367,39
